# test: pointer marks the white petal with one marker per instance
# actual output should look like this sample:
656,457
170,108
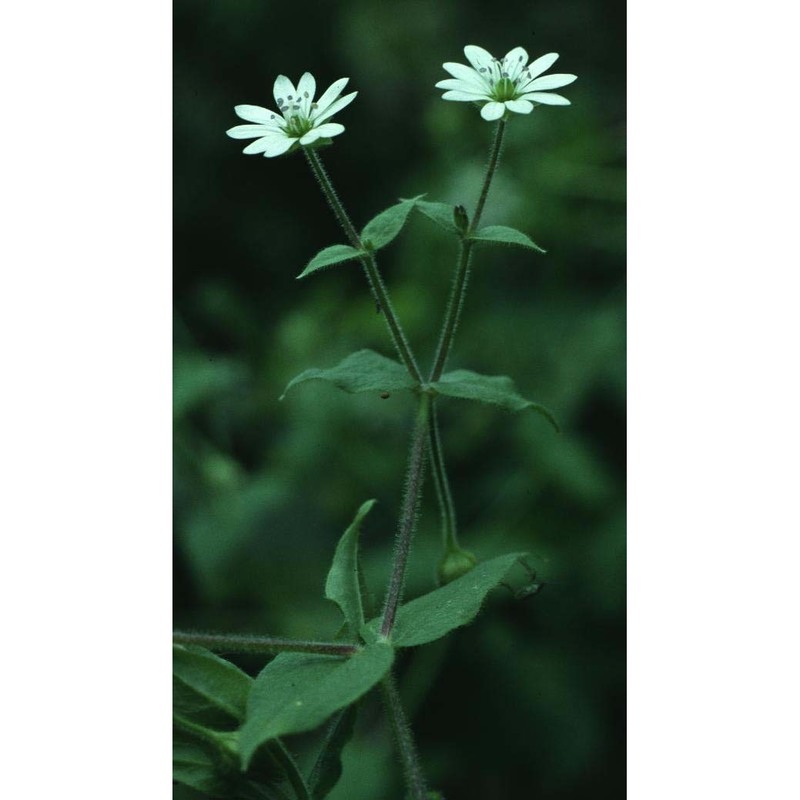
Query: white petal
307,84
543,63
546,98
249,131
278,146
478,57
256,114
515,61
262,144
555,81
493,111
519,106
329,129
330,94
311,136
284,91
461,86
467,97
466,74
333,108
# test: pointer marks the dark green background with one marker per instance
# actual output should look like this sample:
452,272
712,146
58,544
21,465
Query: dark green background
529,701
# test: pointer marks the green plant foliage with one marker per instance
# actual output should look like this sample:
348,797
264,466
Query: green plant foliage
495,389
443,214
207,689
328,767
297,692
335,254
343,583
503,234
383,228
364,371
437,613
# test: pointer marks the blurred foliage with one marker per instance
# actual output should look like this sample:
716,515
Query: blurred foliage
529,700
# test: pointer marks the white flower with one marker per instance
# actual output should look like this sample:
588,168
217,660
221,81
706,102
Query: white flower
301,121
511,84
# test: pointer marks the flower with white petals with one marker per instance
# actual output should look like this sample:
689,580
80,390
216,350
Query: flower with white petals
301,121
501,86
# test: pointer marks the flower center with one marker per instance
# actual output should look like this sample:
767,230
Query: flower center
296,124
504,89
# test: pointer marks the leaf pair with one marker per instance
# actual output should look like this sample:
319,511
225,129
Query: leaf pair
368,371
297,692
385,227
377,233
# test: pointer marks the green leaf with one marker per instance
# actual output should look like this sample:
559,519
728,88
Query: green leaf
209,762
440,213
297,692
335,254
364,371
380,230
207,689
496,389
342,585
505,235
437,613
328,767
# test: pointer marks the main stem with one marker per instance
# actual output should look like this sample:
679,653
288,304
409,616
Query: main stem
261,645
457,293
415,780
376,283
408,516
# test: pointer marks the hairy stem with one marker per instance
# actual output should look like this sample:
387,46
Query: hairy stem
459,288
378,287
267,645
408,516
415,780
443,493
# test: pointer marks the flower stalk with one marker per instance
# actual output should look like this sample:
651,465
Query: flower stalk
459,289
374,278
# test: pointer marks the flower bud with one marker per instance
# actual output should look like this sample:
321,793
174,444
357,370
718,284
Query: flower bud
455,564
460,218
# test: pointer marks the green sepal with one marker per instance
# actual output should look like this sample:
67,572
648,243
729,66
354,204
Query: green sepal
384,227
498,390
297,692
335,254
502,234
343,583
363,371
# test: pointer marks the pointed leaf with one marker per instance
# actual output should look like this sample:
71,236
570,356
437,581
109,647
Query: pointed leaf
496,389
335,254
328,767
364,371
505,235
437,613
440,213
207,689
380,230
342,585
297,692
